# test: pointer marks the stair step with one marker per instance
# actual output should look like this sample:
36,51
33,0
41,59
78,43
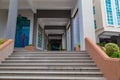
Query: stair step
55,70
49,66
31,67
78,69
48,58
48,61
48,78
49,73
49,55
53,52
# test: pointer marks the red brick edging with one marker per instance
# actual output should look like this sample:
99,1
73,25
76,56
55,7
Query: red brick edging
109,66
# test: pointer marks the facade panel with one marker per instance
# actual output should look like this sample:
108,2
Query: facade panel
109,12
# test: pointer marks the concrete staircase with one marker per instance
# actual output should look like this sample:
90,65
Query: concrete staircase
49,66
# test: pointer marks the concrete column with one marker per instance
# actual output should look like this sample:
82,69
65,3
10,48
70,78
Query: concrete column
31,29
35,30
86,21
64,41
71,33
12,19
43,41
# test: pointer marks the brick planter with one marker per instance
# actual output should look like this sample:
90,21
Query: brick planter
77,49
29,48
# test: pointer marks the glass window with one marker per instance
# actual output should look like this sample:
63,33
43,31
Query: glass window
117,7
94,10
39,37
109,12
95,24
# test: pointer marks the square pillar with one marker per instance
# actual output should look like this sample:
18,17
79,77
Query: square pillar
86,21
12,19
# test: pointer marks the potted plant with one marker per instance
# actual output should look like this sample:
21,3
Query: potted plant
63,49
2,41
78,47
30,47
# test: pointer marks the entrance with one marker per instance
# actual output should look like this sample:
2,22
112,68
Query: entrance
55,45
22,32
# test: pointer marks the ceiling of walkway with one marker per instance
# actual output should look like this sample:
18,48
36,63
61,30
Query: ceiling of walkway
41,4
34,5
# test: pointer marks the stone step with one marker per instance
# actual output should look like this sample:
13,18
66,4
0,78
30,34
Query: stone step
48,58
49,55
49,52
39,67
48,61
62,69
50,73
48,64
48,78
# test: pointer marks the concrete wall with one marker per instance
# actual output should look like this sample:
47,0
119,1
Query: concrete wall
99,13
3,22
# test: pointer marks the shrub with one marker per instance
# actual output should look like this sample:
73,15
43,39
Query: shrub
104,49
101,44
2,41
115,55
30,45
111,48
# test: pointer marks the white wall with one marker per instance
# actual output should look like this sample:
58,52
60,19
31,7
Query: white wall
3,22
29,14
69,40
64,41
99,15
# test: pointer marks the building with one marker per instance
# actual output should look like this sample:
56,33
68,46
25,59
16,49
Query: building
54,25
35,27
107,20
64,24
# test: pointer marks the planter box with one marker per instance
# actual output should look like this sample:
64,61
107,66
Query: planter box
77,49
30,48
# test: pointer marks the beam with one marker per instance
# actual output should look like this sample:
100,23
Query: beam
53,13
31,6
55,27
53,35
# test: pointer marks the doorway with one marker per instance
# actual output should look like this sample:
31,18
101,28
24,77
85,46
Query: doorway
55,45
22,32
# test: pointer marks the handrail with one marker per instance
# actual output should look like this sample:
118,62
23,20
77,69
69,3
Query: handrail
5,44
110,67
6,49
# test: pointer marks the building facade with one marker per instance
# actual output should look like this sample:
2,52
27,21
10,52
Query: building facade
26,24
107,19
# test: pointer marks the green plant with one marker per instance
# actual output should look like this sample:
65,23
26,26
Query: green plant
2,41
101,44
79,45
115,55
30,45
63,49
103,48
111,48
